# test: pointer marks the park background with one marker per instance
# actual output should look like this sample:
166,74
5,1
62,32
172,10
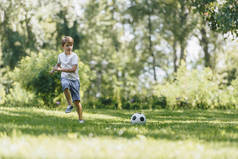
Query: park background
175,61
133,54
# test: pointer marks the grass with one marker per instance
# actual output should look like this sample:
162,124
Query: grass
50,133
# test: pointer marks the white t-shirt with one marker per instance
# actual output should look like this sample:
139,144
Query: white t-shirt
67,61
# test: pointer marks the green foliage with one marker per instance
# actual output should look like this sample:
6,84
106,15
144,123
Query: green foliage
2,93
34,69
109,58
135,102
18,31
63,29
17,96
13,48
221,15
229,70
197,89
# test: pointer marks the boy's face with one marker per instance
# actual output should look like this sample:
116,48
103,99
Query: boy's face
68,47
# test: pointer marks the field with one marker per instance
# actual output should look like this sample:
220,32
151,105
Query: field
106,134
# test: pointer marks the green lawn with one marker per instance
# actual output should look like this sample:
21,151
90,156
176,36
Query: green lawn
47,133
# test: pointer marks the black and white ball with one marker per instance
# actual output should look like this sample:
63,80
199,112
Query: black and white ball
138,118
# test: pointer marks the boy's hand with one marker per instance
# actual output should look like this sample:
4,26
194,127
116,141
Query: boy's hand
57,69
52,71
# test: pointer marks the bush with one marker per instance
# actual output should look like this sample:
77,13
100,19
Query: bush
18,96
106,102
135,102
33,74
157,102
197,89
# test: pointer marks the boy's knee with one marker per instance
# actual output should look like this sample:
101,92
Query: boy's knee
77,101
66,89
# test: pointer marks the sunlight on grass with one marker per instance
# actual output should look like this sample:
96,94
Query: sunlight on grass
101,116
106,147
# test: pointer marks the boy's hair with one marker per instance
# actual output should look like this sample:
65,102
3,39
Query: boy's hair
67,39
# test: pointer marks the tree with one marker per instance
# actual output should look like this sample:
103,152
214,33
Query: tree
66,25
210,42
179,22
13,42
103,49
221,15
144,19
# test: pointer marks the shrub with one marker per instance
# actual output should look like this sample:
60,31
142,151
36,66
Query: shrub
156,102
197,89
135,102
33,74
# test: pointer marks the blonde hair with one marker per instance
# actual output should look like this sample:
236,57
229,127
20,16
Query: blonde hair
67,39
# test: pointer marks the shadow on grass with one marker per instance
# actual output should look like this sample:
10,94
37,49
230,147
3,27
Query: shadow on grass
171,125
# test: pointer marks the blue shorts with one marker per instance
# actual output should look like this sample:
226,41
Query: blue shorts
73,86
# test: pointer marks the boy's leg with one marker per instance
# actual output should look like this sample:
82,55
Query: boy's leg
65,86
67,95
79,109
74,90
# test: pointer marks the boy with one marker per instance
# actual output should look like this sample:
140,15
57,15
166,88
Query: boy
68,66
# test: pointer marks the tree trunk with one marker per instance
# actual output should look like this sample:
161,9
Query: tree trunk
182,41
204,42
175,56
182,54
151,44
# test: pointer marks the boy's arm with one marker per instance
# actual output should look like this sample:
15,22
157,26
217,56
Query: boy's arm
58,65
73,69
55,68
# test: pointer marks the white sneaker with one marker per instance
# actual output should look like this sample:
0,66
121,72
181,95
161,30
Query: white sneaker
69,109
81,121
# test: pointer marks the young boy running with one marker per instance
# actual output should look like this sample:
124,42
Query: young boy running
68,66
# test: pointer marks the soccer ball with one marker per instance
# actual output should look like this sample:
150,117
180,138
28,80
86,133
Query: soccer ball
138,118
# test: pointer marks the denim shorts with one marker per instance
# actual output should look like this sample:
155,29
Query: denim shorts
73,86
